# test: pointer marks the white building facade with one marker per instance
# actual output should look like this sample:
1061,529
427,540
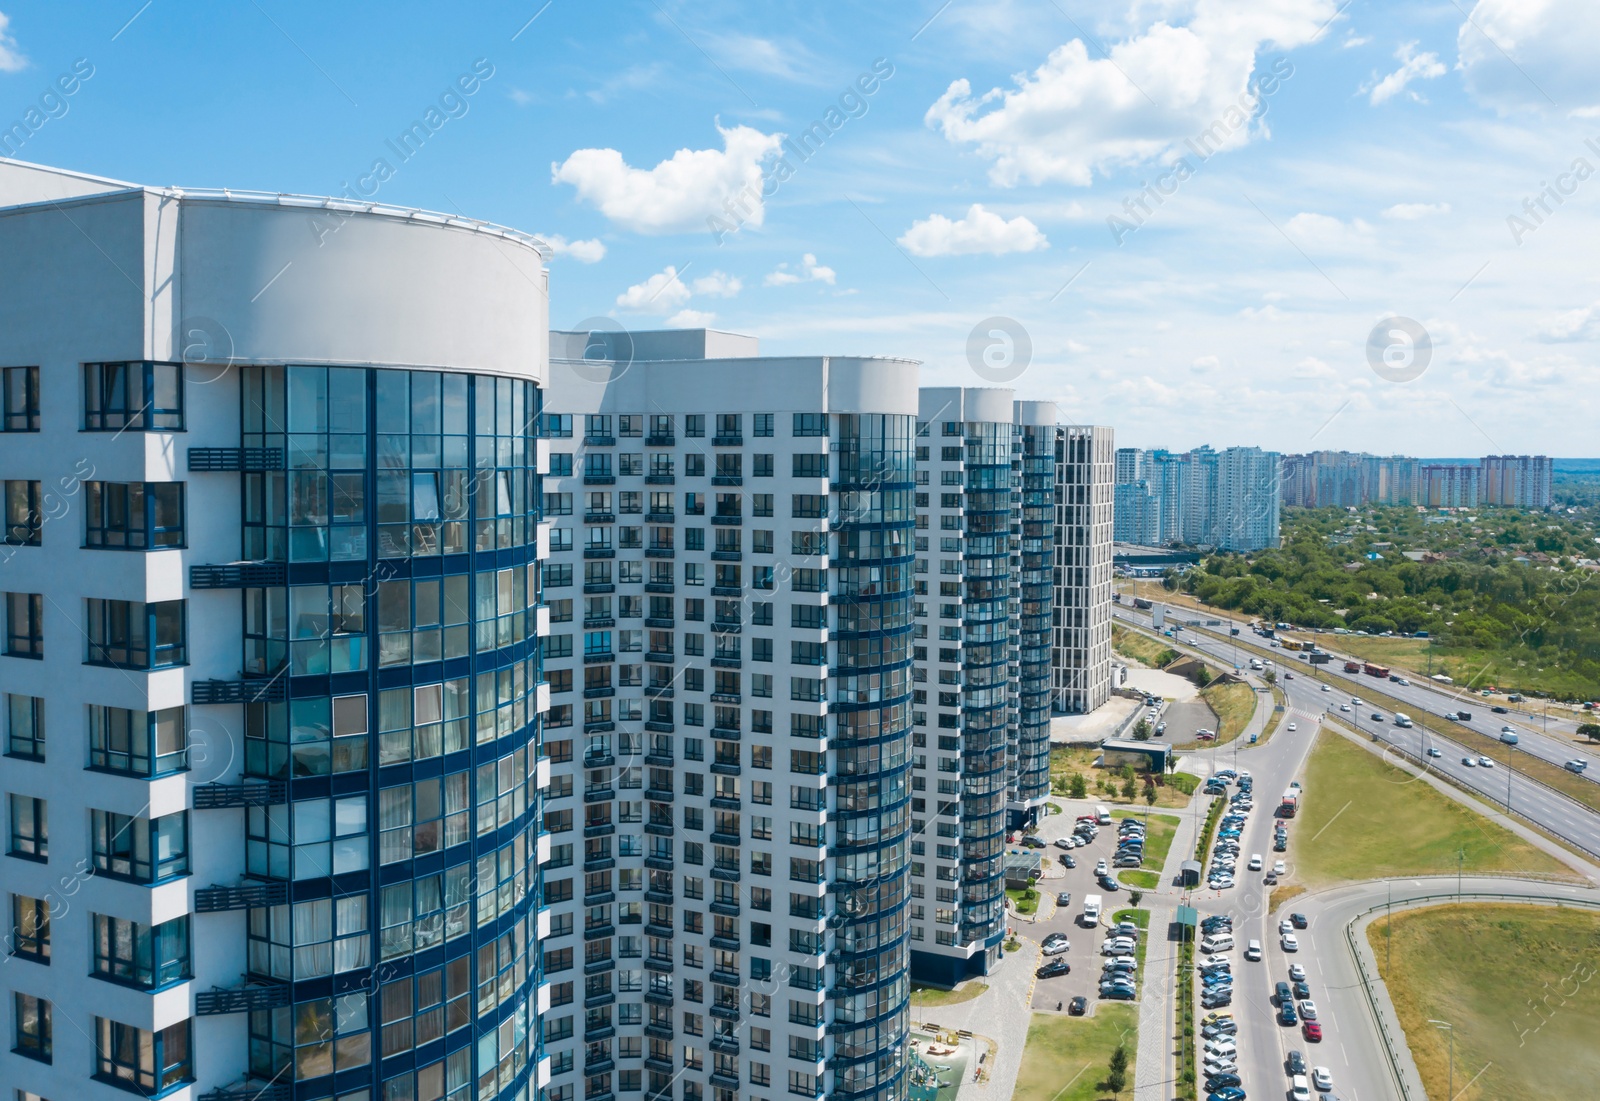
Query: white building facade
1084,515
272,679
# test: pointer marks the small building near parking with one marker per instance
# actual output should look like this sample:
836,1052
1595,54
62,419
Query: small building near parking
1191,873
1151,756
1020,869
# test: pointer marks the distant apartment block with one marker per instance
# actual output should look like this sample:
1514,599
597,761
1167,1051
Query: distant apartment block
1345,479
1515,481
1225,499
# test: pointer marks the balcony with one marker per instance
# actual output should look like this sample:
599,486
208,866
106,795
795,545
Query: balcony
599,518
726,590
658,997
243,896
660,657
664,932
655,727
726,556
599,479
725,802
252,1090
248,690
599,829
725,1012
726,1081
726,909
660,965
603,726
660,829
655,1063
726,663
590,587
599,795
659,795
729,521
599,658
599,932
727,944
729,839
261,793
659,587
727,627
599,898
659,480
599,552
598,693
728,441
661,898
724,768
600,441
727,872
242,999
224,460
659,863
661,441
238,575
660,517
726,733
725,697
659,552
727,480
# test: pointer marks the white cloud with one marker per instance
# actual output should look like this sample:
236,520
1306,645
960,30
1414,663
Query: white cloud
787,59
661,292
1076,114
810,271
1412,212
1575,325
1205,363
690,319
980,231
586,252
1352,40
718,285
1413,66
520,98
1323,231
11,59
1548,53
679,194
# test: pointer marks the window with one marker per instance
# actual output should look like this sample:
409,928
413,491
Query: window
30,928
143,850
147,1062
558,425
143,397
25,625
811,424
560,464
138,743
809,506
694,466
130,635
810,466
24,520
19,399
694,425
139,955
33,1028
25,727
133,515
763,423
762,467
30,828
630,424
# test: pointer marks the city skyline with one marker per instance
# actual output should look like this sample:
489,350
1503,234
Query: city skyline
860,193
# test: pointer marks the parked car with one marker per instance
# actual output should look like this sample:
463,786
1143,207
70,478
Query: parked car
1052,969
1078,1006
1063,898
1063,843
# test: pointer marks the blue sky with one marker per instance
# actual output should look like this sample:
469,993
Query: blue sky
1196,210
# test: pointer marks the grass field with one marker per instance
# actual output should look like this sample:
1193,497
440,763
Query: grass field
1141,648
1364,819
1065,760
1518,990
1233,704
1066,1057
1026,901
927,997
1139,880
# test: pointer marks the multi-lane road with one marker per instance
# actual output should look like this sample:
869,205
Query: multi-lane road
1353,1048
1554,812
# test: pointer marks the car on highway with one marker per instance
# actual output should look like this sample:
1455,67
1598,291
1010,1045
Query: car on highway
1109,885
1297,973
1292,727
1102,868
1296,1063
1484,762
1498,710
1255,862
1078,1006
1344,707
1252,951
1299,1089
1376,717
1308,1009
1286,1015
1300,921
1435,751
1271,880
1289,942
1470,762
1312,1030
1322,1078
1280,993
1285,926
1302,989
1052,969
1325,688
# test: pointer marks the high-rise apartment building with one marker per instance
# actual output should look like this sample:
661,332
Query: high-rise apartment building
1450,485
1202,497
1247,499
731,592
1515,481
1344,479
1083,544
272,672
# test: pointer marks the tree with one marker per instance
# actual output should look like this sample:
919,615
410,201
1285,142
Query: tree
1117,1072
1128,788
1590,731
1203,675
1150,795
1270,677
1079,786
1135,897
1141,733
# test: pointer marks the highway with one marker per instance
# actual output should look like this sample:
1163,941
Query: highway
1556,813
1352,1049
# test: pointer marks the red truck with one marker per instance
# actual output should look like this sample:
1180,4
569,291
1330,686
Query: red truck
1352,667
1379,671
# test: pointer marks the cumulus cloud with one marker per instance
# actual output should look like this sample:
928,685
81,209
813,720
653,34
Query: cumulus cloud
1575,325
979,231
1413,66
690,319
586,252
1522,54
679,194
661,292
1205,363
1323,231
1077,114
11,59
810,272
1412,212
718,285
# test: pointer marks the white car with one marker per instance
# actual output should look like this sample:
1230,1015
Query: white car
1435,751
1297,973
1344,707
1293,727
1255,862
1055,948
1325,688
1299,1089
1063,843
1484,762
1322,1078
1285,927
1279,868
1102,868
1289,942
1308,1009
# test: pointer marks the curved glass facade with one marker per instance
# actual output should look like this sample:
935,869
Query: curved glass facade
986,645
394,667
1035,473
871,705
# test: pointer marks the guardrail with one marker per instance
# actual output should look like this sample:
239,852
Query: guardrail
1390,1049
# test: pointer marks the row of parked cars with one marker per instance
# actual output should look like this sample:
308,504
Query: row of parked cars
1225,851
1119,973
1218,1031
1293,999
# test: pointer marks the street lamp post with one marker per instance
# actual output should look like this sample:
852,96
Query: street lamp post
1450,1028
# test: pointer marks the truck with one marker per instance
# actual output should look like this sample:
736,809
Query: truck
1294,643
1379,671
1141,602
1352,667
1290,804
1402,719
1091,909
1464,716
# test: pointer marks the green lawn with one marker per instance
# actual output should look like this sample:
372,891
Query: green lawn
1066,1057
1140,880
1141,918
1518,989
1361,818
1233,704
929,996
1027,901
1141,648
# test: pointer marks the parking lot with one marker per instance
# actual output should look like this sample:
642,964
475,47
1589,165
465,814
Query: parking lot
1084,954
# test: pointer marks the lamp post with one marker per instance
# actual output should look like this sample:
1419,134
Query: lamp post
1447,1026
